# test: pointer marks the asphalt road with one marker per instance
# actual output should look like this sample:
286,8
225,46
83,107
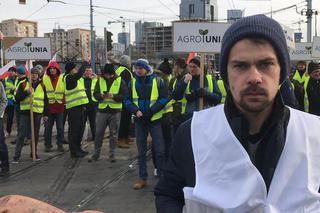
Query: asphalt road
76,184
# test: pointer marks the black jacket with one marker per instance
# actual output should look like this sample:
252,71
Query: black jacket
179,170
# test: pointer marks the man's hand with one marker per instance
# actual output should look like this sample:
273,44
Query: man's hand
139,114
30,90
187,78
107,95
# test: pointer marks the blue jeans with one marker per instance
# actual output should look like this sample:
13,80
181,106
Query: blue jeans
58,118
4,158
142,128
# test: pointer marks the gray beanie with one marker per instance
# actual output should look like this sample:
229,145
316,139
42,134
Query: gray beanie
257,26
125,61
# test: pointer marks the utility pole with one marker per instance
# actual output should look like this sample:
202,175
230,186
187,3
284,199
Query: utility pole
309,20
92,39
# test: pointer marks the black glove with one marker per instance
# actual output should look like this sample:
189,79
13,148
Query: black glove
192,96
201,92
147,115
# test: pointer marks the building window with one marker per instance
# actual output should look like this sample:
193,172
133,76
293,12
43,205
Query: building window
191,9
212,12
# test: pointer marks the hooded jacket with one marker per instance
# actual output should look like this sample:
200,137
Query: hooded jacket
55,107
143,87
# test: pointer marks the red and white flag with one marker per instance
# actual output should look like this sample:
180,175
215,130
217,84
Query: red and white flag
4,70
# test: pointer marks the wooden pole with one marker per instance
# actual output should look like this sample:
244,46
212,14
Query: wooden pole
202,59
33,142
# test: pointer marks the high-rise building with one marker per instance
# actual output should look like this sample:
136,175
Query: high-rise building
199,9
234,15
73,44
19,28
123,38
140,29
59,45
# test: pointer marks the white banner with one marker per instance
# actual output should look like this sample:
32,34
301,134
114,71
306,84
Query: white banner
316,47
29,49
203,37
289,34
302,52
7,66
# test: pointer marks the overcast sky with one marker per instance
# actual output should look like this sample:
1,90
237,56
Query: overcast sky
75,14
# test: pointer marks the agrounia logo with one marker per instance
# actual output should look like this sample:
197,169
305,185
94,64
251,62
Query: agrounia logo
202,38
28,48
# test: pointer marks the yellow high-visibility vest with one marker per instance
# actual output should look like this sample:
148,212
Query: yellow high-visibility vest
93,86
222,90
298,78
153,98
114,89
77,96
306,99
54,95
37,101
9,86
169,106
120,69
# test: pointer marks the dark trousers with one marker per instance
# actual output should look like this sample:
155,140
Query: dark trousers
76,128
58,118
4,157
125,123
25,129
17,112
9,114
91,116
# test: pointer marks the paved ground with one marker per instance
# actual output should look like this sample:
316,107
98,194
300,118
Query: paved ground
74,185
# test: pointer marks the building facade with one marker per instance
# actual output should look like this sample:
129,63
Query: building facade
199,9
19,28
124,38
234,15
59,43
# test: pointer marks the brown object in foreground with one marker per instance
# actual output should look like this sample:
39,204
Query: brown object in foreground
23,204
140,184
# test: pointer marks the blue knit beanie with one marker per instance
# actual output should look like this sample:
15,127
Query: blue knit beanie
144,63
257,26
21,70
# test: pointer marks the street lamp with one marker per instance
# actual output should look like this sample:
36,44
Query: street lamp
57,1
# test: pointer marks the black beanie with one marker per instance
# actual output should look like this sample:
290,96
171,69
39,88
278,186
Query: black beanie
312,66
69,66
165,67
195,61
257,26
108,69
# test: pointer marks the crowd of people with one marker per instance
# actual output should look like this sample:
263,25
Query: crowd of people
159,99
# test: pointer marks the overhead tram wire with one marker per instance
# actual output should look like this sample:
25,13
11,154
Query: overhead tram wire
37,10
168,8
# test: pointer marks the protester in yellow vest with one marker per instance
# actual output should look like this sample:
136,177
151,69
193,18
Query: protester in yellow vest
90,81
53,82
312,89
39,107
124,71
76,99
9,85
180,69
109,91
298,78
189,87
146,99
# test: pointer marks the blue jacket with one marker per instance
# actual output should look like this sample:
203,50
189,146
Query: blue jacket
143,87
210,99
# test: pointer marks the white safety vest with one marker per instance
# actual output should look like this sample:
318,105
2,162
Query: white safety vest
227,181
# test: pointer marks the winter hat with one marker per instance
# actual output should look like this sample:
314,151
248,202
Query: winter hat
12,69
143,63
125,61
257,26
165,67
108,69
69,66
112,58
35,70
195,61
313,65
21,70
39,67
180,62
